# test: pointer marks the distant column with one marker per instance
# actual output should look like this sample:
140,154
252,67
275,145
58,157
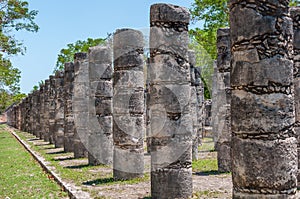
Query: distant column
200,102
128,104
59,110
80,104
68,111
171,122
264,147
194,105
42,111
52,106
295,15
46,111
223,99
38,115
100,110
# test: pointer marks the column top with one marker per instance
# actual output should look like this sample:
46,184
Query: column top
169,13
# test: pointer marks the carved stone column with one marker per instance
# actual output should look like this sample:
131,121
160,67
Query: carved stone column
264,147
171,122
128,104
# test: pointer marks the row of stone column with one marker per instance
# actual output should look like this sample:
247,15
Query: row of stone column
98,111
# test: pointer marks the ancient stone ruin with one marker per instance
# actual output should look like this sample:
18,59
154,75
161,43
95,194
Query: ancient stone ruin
170,88
264,146
128,108
112,101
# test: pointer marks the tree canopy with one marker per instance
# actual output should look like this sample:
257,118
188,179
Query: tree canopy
14,16
214,14
67,54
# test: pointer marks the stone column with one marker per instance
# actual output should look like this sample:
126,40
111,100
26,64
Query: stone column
52,107
128,104
59,110
30,113
171,122
42,111
100,144
69,128
223,130
34,112
194,105
264,147
295,14
214,120
27,113
37,118
80,104
46,111
200,102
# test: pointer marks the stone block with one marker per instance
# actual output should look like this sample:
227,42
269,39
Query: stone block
167,68
252,160
261,114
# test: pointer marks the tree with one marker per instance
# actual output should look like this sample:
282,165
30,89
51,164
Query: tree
14,16
67,54
215,15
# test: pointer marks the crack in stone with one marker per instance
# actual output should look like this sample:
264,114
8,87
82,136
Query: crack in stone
284,133
176,26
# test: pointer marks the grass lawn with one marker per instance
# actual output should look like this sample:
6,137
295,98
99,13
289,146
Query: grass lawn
20,175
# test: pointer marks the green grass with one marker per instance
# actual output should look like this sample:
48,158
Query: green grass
205,165
207,145
207,194
79,174
20,174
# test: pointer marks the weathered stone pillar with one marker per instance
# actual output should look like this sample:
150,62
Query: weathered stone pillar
80,104
42,111
295,14
69,127
59,110
46,111
52,107
100,143
171,122
194,105
128,104
200,102
38,113
34,114
264,147
147,109
223,130
214,120
30,113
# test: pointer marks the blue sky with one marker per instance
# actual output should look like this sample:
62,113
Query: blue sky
66,21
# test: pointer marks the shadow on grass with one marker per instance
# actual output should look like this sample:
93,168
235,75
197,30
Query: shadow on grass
100,181
33,139
77,166
45,144
63,158
206,151
209,173
56,152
